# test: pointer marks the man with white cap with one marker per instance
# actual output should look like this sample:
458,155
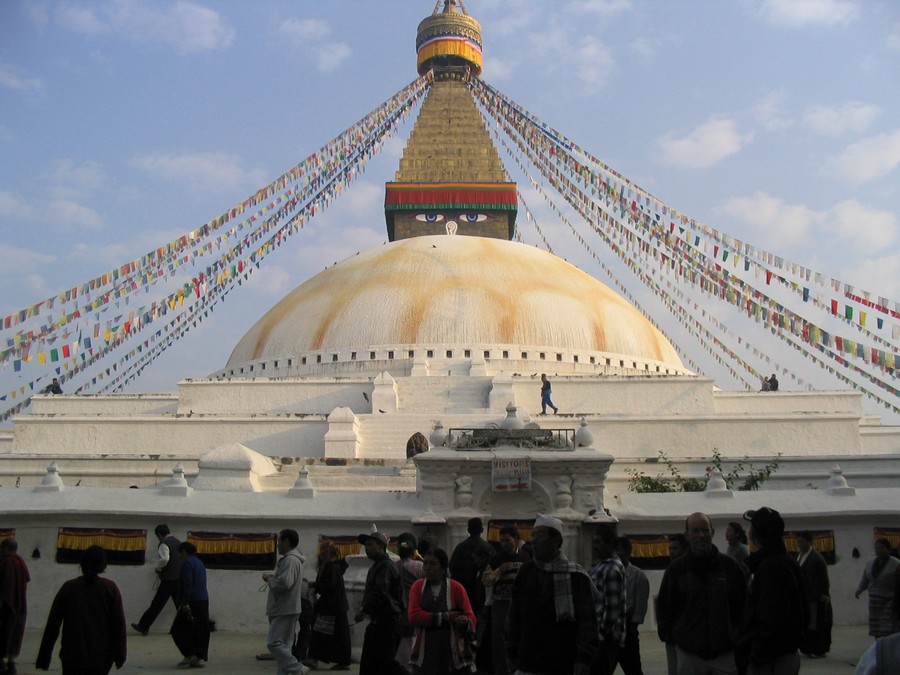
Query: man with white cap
382,604
552,619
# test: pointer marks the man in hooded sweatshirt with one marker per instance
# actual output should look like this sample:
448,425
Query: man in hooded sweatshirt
283,604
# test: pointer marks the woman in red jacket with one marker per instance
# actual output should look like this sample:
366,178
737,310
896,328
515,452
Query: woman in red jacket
442,617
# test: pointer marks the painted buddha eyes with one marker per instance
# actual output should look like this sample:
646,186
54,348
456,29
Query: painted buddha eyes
440,217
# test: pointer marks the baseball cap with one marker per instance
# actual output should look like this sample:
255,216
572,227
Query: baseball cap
377,536
766,522
407,540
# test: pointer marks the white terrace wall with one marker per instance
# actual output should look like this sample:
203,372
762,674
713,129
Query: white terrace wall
141,435
733,436
274,396
774,402
679,395
105,404
878,440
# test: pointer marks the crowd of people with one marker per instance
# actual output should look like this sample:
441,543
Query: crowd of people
505,607
524,608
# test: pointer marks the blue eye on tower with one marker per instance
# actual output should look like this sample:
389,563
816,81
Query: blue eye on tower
472,217
430,217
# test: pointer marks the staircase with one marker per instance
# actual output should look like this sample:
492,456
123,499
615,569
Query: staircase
443,394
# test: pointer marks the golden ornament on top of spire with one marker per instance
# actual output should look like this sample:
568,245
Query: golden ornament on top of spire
449,39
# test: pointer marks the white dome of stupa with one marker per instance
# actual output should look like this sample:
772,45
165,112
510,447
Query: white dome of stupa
454,290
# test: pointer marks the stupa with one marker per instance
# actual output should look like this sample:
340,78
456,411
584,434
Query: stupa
440,334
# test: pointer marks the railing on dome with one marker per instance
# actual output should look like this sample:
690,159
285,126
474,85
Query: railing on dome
492,438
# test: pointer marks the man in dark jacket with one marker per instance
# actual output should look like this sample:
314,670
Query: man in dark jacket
168,569
552,618
701,601
14,578
89,611
382,604
776,609
193,600
814,570
462,561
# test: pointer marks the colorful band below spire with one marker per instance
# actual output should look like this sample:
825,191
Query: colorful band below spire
452,46
410,196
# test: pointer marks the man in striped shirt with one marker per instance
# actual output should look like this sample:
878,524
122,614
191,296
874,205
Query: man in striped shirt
608,576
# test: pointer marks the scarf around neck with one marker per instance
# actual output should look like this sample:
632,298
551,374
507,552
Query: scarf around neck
562,570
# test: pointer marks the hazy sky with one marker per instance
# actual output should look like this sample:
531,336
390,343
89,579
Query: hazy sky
125,124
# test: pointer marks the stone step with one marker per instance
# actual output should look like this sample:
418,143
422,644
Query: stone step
438,394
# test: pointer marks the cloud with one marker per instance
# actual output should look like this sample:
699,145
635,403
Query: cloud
593,61
13,78
799,13
82,20
506,23
65,186
210,172
602,8
893,40
24,273
11,206
115,253
304,30
860,228
866,228
568,51
644,47
331,55
271,280
705,146
499,69
310,37
65,176
68,214
775,222
320,248
836,120
360,202
879,275
770,112
186,26
867,159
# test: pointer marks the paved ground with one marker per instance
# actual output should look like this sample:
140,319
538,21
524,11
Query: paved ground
235,654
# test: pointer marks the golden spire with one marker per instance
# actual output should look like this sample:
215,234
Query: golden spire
451,179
